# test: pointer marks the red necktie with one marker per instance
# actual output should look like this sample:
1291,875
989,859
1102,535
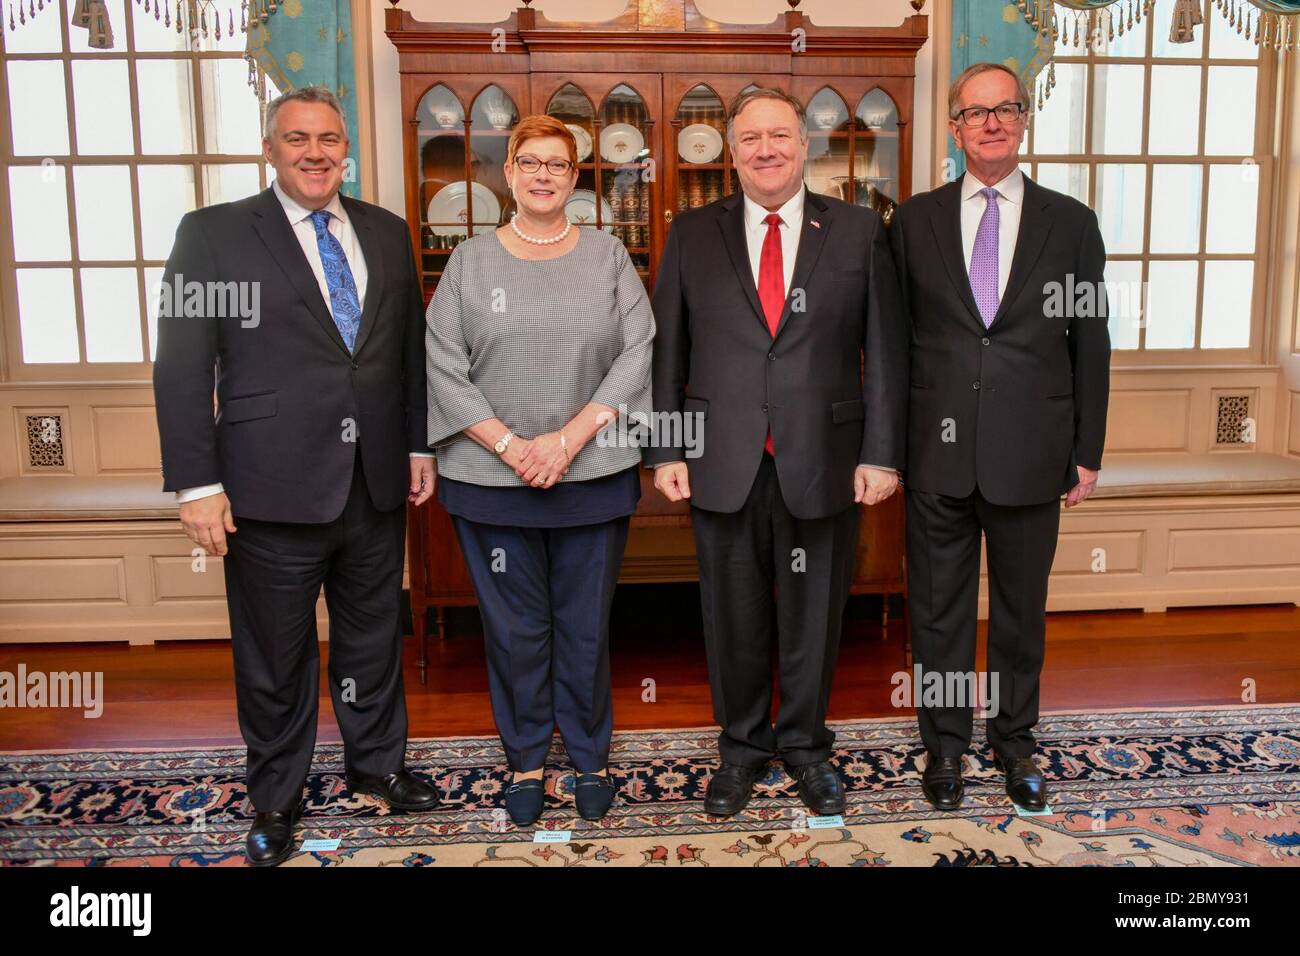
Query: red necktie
771,284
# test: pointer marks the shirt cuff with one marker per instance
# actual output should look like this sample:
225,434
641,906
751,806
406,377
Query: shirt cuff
879,467
201,491
422,454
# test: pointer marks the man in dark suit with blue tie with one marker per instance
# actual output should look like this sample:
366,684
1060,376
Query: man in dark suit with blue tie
1007,414
318,442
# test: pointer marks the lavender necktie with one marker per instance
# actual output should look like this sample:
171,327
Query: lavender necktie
984,260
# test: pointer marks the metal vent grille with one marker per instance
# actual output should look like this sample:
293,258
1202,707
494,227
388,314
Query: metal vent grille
45,441
1234,425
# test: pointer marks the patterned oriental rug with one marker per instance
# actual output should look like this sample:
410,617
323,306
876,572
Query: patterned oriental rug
1203,787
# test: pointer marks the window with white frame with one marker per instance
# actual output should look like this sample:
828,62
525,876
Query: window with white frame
1171,145
104,151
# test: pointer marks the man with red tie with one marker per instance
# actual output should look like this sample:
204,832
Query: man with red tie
780,327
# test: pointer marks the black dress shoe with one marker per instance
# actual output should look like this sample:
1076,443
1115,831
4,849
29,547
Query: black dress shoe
730,788
593,793
941,782
819,788
402,790
270,840
1025,784
524,800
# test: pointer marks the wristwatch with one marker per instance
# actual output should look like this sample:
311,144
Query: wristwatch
503,443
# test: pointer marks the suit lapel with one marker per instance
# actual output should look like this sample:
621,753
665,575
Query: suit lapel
811,240
272,226
364,227
945,221
731,220
1035,224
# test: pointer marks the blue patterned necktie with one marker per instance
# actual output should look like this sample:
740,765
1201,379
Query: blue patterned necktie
984,258
338,278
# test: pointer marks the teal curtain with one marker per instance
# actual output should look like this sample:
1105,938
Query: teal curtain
995,31
309,42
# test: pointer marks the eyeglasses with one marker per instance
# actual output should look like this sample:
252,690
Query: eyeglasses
531,164
1005,112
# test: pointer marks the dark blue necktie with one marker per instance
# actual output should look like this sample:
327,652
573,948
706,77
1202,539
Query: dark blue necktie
338,278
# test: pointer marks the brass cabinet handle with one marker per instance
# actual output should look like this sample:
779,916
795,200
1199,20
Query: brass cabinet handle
668,215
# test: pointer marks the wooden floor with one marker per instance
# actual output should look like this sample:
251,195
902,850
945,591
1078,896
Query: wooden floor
182,693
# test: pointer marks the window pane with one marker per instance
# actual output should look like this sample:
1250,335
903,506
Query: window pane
102,97
1121,205
1171,305
1118,96
38,202
79,37
1132,42
110,301
1234,205
105,222
1124,302
1230,111
166,194
230,111
1176,208
47,315
1058,128
1162,16
166,91
40,35
1068,178
1225,314
229,181
152,289
1227,43
38,108
1175,109
151,36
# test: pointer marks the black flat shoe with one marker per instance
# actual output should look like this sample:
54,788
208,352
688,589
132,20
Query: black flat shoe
941,783
402,790
524,801
820,788
270,840
593,793
1025,784
730,788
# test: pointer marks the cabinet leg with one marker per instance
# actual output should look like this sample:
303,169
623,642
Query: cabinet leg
884,616
418,620
442,624
907,635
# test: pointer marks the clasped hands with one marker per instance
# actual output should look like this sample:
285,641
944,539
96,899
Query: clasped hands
539,462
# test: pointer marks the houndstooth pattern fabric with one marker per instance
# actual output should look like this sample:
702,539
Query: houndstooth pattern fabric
531,343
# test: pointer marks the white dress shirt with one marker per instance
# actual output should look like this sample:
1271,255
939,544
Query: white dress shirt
1011,198
341,229
791,213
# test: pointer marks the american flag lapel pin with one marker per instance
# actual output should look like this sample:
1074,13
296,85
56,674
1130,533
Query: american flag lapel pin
814,223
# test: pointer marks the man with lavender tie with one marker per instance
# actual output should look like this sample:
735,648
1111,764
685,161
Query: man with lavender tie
1007,413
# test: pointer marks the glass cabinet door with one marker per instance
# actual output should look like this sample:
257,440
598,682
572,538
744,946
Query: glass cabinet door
875,168
828,170
700,152
461,181
613,191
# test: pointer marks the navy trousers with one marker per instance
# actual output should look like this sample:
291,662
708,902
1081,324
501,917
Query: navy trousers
545,595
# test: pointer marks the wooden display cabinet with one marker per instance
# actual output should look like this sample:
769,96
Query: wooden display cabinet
648,92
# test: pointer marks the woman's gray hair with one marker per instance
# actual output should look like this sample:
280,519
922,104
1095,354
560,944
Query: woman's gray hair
743,99
974,70
305,94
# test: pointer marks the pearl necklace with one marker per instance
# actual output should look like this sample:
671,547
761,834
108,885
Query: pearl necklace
540,242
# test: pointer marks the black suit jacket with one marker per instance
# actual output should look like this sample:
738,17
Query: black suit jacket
832,384
286,385
1014,408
